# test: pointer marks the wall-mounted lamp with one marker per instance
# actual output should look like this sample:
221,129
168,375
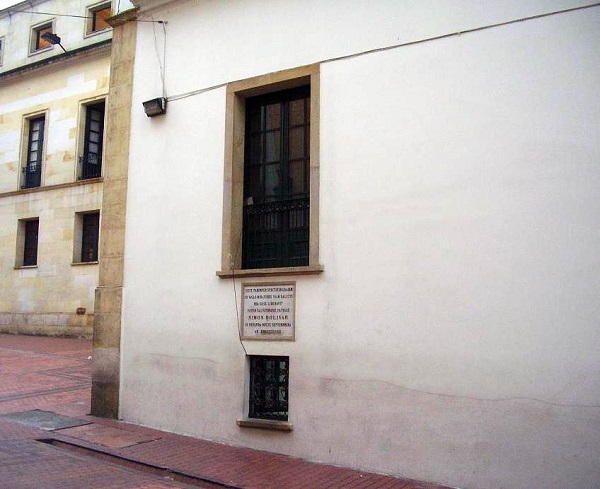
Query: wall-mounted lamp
52,39
156,106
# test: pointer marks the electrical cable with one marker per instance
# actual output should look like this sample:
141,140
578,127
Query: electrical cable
400,45
10,12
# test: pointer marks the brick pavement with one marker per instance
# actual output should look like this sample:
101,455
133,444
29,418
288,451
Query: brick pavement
53,374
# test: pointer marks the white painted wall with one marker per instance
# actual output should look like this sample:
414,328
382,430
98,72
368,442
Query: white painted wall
454,335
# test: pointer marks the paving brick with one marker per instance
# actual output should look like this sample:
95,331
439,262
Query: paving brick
54,374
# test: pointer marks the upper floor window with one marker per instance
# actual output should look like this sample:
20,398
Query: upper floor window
276,180
97,16
38,43
1,49
91,160
271,184
32,170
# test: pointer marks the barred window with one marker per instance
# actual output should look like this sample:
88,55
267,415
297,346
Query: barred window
91,160
32,171
269,377
276,180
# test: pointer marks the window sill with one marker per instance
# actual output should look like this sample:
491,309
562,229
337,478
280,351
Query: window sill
78,263
25,267
265,424
269,272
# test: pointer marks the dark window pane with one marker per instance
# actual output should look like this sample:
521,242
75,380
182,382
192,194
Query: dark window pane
30,246
269,380
296,145
276,183
272,180
32,171
273,116
297,112
89,237
297,176
272,146
91,161
255,152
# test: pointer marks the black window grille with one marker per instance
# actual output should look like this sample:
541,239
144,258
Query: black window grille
269,387
30,244
91,161
276,180
32,171
89,236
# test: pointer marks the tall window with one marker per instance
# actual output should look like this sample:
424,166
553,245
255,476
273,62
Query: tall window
97,17
91,161
32,171
30,243
89,236
1,49
269,379
276,180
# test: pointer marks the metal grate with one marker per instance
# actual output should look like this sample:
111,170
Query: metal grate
91,161
269,387
276,180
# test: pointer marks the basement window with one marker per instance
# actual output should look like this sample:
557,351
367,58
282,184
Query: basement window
269,379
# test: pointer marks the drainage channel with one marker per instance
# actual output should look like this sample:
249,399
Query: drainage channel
132,463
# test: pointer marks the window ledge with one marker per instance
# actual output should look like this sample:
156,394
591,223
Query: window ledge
268,272
25,267
265,424
78,263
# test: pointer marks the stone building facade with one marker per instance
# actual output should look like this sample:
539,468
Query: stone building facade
54,80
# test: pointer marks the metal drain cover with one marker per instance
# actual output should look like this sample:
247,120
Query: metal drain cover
44,420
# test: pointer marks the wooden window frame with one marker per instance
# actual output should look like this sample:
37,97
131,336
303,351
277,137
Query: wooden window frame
36,33
233,181
92,12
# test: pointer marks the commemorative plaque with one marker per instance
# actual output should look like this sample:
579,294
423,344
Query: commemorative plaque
269,311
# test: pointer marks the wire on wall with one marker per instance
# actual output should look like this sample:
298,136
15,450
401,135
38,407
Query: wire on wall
52,14
161,64
237,312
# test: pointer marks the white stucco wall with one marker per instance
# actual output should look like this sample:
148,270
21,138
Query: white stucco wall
453,335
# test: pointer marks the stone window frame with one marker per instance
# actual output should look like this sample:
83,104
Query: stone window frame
81,138
21,241
33,49
264,422
90,13
233,180
78,238
25,135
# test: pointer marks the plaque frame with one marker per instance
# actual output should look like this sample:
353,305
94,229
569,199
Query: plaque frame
268,337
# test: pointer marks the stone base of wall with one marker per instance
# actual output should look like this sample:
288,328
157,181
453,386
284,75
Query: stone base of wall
48,324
